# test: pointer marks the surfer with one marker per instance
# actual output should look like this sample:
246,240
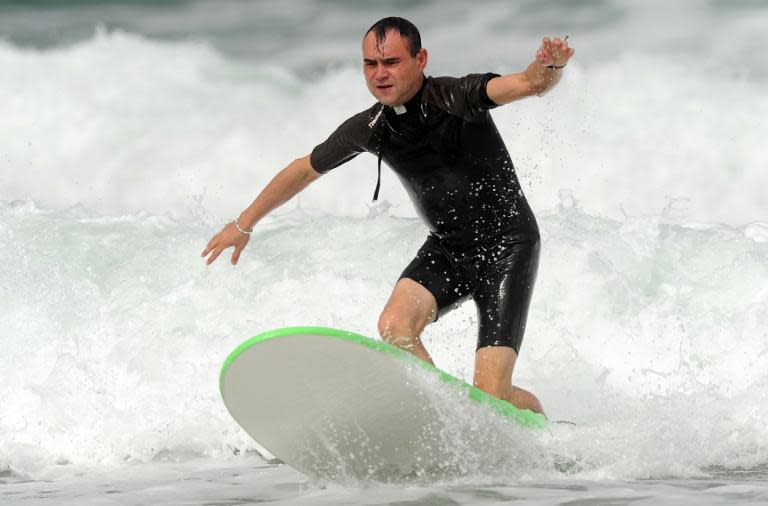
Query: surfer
437,134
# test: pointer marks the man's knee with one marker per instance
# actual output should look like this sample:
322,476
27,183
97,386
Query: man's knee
394,326
410,308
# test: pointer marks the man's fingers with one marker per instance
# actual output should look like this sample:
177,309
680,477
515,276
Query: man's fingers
214,256
236,254
209,246
554,51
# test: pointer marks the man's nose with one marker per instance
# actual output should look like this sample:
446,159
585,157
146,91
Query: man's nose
381,72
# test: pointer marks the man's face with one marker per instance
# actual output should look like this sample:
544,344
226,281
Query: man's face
393,76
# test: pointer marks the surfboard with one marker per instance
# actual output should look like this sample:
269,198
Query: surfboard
336,405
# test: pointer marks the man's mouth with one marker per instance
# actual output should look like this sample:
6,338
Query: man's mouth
383,86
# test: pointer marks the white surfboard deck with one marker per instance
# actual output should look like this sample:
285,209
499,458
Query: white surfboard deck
336,405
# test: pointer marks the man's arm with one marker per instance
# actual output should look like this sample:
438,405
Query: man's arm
537,79
283,187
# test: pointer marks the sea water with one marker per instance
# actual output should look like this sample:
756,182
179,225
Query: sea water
131,131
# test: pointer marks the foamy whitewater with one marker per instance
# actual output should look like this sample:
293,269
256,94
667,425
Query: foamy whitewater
130,133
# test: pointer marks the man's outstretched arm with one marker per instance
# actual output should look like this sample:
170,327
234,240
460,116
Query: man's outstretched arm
537,79
283,187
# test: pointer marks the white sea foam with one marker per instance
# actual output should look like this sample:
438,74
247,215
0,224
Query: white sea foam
647,334
108,124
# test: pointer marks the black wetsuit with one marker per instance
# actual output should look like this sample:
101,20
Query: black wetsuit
447,152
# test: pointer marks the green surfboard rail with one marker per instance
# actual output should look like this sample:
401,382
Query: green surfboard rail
524,417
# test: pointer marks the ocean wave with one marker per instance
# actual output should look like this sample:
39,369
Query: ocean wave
648,334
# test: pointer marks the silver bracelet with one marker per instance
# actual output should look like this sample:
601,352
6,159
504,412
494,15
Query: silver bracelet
237,224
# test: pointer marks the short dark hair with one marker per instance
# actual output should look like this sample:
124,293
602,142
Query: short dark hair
405,28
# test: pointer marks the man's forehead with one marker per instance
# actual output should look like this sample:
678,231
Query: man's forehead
393,43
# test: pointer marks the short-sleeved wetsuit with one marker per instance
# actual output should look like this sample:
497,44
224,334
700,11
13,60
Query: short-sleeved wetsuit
445,148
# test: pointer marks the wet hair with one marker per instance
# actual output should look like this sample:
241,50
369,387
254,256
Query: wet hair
405,28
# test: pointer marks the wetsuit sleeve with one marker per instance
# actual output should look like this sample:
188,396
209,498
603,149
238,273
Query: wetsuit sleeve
474,89
348,141
465,97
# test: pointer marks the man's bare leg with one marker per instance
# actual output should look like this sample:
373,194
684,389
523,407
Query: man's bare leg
493,375
410,308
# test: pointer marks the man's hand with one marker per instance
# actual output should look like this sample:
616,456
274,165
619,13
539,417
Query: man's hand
535,80
554,52
228,237
284,186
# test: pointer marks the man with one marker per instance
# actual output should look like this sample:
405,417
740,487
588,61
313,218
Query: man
439,138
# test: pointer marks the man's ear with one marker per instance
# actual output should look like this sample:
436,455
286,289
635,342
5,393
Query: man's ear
421,58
